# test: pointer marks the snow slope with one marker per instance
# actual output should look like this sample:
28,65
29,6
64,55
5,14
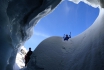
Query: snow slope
17,19
83,52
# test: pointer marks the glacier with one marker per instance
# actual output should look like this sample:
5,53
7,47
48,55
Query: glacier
83,52
17,19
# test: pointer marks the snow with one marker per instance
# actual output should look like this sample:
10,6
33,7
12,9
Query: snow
20,62
20,57
83,52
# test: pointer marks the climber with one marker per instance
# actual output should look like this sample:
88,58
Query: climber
27,56
66,37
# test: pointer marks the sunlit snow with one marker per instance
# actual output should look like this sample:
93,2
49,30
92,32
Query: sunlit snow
83,52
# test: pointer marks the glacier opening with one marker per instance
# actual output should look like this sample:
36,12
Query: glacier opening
83,52
16,25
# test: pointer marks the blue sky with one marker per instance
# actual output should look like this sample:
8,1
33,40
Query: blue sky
67,17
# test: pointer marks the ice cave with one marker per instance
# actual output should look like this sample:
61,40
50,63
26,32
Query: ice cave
83,52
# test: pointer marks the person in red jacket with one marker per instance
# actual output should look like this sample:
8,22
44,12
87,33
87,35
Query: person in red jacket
27,56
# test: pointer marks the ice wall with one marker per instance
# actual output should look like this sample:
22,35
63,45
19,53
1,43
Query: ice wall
17,18
83,52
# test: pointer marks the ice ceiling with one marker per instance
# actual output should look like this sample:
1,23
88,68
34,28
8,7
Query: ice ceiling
16,24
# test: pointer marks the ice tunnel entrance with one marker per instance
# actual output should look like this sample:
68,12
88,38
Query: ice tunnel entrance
67,17
56,28
83,52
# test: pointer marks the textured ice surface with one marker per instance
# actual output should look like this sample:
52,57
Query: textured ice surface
20,61
94,3
83,52
16,25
